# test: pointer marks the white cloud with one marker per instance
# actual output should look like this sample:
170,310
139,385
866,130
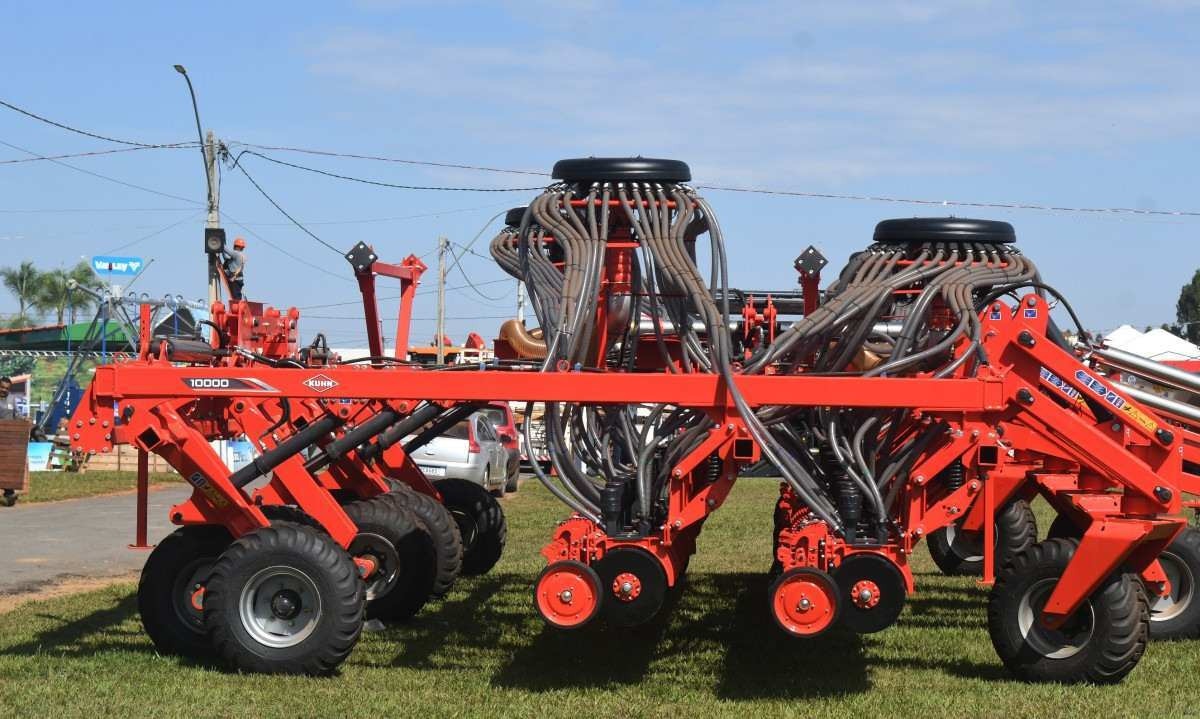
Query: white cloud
834,111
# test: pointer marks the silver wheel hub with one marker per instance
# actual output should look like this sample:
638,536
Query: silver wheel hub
387,562
280,606
967,546
1183,584
1061,643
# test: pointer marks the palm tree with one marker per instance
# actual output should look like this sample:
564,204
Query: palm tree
55,294
25,282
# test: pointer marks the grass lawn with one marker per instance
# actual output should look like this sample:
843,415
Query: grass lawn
53,486
483,652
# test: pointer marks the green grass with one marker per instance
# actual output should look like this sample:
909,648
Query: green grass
483,652
53,486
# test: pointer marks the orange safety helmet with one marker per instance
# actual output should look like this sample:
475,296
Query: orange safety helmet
239,243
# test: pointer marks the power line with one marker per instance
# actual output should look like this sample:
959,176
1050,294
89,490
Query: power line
414,319
98,175
282,211
156,233
94,153
425,163
396,297
56,210
954,203
282,251
76,130
380,183
373,220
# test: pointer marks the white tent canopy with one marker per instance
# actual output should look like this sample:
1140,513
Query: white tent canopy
1157,344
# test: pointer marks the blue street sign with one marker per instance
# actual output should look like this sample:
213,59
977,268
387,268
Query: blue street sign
126,266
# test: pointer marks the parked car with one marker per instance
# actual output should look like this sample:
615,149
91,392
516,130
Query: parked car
500,415
468,450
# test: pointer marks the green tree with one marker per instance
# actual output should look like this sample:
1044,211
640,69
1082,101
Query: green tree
1187,310
55,293
24,281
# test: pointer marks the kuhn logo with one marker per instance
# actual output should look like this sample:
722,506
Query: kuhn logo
320,383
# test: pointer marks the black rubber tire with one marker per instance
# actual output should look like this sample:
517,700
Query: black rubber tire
480,520
336,628
183,557
1119,626
292,514
386,516
1165,622
512,482
9,498
443,532
1182,622
1016,531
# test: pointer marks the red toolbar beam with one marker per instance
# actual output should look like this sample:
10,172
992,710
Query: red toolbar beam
692,390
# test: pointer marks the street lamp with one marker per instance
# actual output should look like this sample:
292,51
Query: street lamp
199,132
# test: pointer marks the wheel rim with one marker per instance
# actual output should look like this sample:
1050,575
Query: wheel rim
567,596
466,527
280,606
1183,583
1062,643
387,563
805,604
188,592
967,546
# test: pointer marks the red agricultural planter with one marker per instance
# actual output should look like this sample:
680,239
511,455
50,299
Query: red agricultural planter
925,389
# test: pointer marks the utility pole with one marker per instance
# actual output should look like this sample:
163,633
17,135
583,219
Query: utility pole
521,302
440,338
214,236
214,214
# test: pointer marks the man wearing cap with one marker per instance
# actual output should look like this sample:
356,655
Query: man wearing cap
234,265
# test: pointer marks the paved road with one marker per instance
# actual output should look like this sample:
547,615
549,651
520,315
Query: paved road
42,543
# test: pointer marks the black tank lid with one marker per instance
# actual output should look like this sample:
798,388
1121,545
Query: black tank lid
618,169
943,229
512,218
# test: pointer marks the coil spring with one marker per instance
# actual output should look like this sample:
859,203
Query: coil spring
954,475
846,495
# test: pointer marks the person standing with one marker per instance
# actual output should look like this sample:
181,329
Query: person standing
234,265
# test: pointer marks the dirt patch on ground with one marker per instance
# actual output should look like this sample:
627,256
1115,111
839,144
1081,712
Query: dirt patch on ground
61,588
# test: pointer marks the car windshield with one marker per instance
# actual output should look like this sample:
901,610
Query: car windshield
457,431
495,415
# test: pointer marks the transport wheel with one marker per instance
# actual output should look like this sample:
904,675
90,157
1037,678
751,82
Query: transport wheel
443,532
805,602
512,482
290,513
480,521
403,553
9,498
284,599
634,585
960,553
1177,615
568,594
873,592
170,594
1101,643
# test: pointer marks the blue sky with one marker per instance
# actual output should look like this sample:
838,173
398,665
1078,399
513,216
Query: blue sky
1067,104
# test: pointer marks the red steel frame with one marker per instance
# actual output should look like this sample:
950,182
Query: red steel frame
1008,431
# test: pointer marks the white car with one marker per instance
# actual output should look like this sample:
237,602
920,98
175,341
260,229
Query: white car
468,450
